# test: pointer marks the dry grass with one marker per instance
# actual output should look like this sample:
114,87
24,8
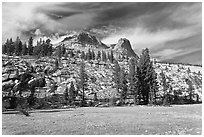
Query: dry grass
183,119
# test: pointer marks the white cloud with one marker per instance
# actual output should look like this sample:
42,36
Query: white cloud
18,17
168,53
141,38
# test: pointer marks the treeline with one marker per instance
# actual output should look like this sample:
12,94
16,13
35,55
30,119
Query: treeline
61,51
18,48
100,55
177,63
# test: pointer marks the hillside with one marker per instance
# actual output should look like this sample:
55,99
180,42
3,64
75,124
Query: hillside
101,76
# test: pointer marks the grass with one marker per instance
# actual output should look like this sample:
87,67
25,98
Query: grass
137,120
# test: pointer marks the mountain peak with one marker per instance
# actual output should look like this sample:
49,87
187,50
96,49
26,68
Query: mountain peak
125,47
85,39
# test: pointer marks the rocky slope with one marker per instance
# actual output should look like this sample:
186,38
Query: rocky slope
177,74
101,76
83,40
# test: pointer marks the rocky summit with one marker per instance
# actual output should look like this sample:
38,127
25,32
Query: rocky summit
124,47
83,39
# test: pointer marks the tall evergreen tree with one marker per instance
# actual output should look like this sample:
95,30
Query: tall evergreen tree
83,81
93,55
116,75
111,56
10,47
190,89
123,85
71,93
49,53
56,64
5,47
66,94
99,56
17,46
59,52
144,76
89,54
83,55
153,84
63,50
133,82
36,50
24,49
30,46
165,88
104,58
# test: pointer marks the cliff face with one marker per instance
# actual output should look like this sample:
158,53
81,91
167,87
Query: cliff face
124,47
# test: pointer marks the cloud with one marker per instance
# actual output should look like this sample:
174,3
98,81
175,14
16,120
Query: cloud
19,19
168,32
156,25
193,57
168,53
142,38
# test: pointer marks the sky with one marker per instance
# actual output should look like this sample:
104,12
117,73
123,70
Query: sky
172,31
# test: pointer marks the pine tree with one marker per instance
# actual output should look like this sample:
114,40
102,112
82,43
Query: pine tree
10,47
116,75
89,54
59,52
99,56
111,57
18,46
165,87
145,72
66,94
153,85
93,55
30,46
42,49
83,81
24,49
36,50
108,56
123,85
190,89
56,64
49,50
143,79
71,93
133,87
104,58
63,50
83,55
5,47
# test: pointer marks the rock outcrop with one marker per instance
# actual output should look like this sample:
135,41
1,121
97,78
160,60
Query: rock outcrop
124,47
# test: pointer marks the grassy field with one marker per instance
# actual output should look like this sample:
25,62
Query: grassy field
137,120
